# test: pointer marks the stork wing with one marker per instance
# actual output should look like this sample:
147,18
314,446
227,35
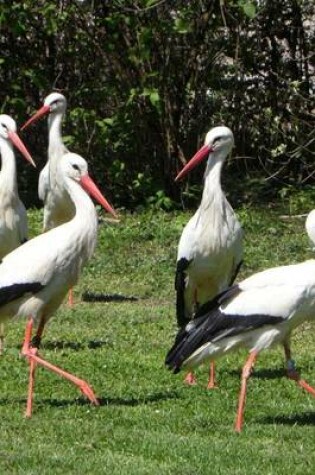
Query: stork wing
15,291
180,285
266,298
35,261
22,225
43,182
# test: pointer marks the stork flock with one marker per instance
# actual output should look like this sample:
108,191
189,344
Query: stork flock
214,315
58,255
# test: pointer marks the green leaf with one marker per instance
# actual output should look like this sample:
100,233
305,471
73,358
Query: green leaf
182,26
248,8
154,98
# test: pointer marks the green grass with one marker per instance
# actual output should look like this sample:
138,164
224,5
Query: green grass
148,421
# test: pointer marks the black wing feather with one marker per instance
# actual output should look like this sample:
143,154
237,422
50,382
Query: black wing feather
180,285
235,273
213,326
15,291
222,297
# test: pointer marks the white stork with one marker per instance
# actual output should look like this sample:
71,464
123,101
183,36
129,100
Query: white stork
260,311
58,207
210,248
35,277
13,218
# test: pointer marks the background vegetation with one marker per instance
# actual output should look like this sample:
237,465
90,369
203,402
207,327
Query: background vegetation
146,79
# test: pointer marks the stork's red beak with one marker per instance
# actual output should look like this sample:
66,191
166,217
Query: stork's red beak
44,110
15,139
88,184
202,153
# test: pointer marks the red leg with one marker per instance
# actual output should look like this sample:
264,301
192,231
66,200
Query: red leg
31,383
211,381
242,397
293,374
34,359
190,379
70,298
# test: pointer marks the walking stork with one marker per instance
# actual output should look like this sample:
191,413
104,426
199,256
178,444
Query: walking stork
35,277
210,248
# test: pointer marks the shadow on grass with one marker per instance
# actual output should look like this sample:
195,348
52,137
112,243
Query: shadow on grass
138,401
275,373
102,297
72,345
104,401
306,419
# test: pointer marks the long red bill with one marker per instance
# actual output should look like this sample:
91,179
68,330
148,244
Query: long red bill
17,142
202,153
88,184
44,110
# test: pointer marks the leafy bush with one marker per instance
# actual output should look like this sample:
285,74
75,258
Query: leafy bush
146,79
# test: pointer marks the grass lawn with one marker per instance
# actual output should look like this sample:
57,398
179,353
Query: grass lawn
149,422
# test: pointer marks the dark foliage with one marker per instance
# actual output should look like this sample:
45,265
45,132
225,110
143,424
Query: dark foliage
146,79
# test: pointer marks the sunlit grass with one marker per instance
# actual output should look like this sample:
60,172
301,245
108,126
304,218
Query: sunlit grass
148,421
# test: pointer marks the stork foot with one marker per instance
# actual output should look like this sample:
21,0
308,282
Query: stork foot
87,391
212,384
190,379
293,374
31,354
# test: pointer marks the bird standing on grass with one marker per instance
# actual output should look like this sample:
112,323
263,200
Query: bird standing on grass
210,248
58,206
35,277
260,311
13,218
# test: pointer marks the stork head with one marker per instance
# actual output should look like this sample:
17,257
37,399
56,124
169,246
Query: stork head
54,103
75,167
8,133
219,142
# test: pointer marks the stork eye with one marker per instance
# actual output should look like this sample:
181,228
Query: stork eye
218,139
76,167
4,126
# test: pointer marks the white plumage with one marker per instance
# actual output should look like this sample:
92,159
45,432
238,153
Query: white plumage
35,277
210,248
310,225
13,218
58,207
260,311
